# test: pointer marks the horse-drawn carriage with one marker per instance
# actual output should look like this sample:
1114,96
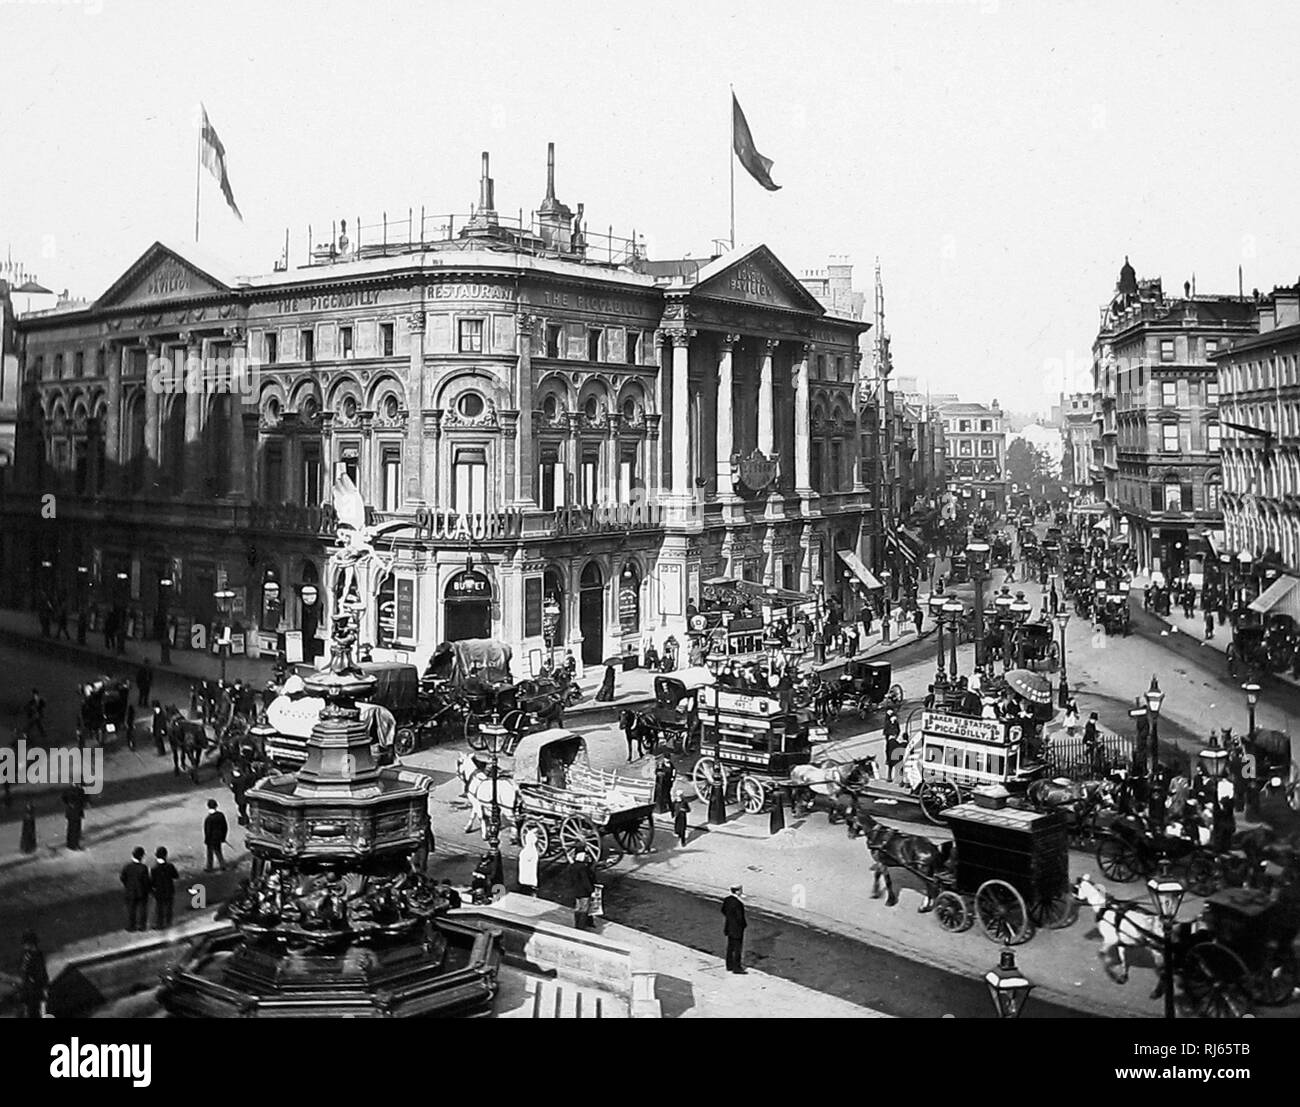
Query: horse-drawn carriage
293,714
1267,765
673,719
1035,645
1114,614
749,743
866,686
105,710
569,806
1248,651
1129,849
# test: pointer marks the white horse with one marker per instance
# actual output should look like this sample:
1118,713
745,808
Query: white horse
1122,926
476,787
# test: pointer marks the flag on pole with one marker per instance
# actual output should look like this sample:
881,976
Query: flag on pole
213,155
759,167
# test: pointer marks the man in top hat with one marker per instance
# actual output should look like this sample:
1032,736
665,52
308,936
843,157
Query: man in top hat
733,928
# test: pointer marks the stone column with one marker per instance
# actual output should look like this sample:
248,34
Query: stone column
680,418
766,434
237,485
525,462
432,433
652,472
613,494
113,422
417,400
660,478
153,382
802,426
195,390
726,429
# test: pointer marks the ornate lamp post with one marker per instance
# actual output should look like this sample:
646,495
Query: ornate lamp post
936,603
953,611
164,615
496,737
1167,895
977,557
1243,564
1250,764
1252,699
931,560
885,577
1062,621
225,604
1154,699
1020,610
123,594
1009,988
83,583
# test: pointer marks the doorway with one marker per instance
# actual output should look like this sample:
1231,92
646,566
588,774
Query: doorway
468,607
591,614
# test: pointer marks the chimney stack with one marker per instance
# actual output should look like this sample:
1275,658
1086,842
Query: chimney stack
550,171
554,219
486,199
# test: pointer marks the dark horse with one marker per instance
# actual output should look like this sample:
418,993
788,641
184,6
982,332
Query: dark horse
893,849
640,731
192,738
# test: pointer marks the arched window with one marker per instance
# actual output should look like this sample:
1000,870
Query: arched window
629,599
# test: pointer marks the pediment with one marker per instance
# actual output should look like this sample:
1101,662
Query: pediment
160,275
757,278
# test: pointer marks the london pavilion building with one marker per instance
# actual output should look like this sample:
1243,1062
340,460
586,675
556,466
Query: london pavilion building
559,441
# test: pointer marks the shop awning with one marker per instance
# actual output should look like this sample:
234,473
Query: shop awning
768,593
854,562
1102,524
1090,509
1274,594
904,545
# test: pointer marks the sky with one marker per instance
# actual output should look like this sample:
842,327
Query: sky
999,157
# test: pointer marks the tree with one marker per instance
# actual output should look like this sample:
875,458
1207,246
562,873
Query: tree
1027,466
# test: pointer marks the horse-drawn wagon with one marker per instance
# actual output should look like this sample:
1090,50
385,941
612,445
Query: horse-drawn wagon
674,717
105,710
294,713
1266,765
1113,613
570,806
865,686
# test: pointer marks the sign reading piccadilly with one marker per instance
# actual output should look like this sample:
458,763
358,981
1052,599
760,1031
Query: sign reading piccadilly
359,298
432,524
957,726
586,303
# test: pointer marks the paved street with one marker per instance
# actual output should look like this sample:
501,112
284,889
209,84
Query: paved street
810,875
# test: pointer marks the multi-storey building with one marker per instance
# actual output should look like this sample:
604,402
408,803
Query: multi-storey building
1259,398
1079,431
558,441
1157,405
975,443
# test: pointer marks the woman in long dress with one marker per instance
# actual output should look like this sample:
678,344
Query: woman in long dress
27,840
528,858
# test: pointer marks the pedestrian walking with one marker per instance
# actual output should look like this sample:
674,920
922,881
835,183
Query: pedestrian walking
1072,718
162,884
136,883
75,802
606,693
159,727
1053,600
144,681
241,779
1209,624
894,744
34,714
582,883
61,622
918,617
27,838
33,977
528,862
214,836
174,740
733,929
665,774
681,812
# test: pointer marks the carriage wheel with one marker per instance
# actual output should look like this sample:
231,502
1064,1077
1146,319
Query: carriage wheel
637,838
935,797
1118,860
474,737
702,777
1054,656
752,794
405,739
1274,983
895,696
1002,913
579,832
1055,912
1216,982
1202,873
953,912
1293,788
546,844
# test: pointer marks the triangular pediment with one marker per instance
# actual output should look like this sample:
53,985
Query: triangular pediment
755,276
161,274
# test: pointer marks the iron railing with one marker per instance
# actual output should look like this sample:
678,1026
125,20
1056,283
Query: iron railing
1075,759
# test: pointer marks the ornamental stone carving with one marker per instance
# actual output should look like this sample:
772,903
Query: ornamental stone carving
415,323
485,418
681,336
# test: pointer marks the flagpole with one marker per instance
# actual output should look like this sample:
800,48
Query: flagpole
198,178
731,162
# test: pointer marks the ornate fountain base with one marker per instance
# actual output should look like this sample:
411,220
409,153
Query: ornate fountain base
450,969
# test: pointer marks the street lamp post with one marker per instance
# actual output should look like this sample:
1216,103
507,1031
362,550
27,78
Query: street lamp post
1062,621
164,625
936,603
496,735
83,576
225,605
885,576
1155,699
1252,699
1251,782
122,595
1009,988
1167,895
954,612
977,557
931,560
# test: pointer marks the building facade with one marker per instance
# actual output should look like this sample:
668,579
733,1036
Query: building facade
1259,398
976,444
1157,394
558,442
1079,431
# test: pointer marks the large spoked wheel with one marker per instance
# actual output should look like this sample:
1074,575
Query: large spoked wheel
702,777
1293,788
935,797
405,739
1202,873
638,838
753,796
474,737
895,696
953,912
1002,913
579,833
1216,982
1118,860
1055,912
542,837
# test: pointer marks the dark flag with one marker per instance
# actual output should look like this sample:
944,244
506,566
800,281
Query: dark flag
213,154
760,168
